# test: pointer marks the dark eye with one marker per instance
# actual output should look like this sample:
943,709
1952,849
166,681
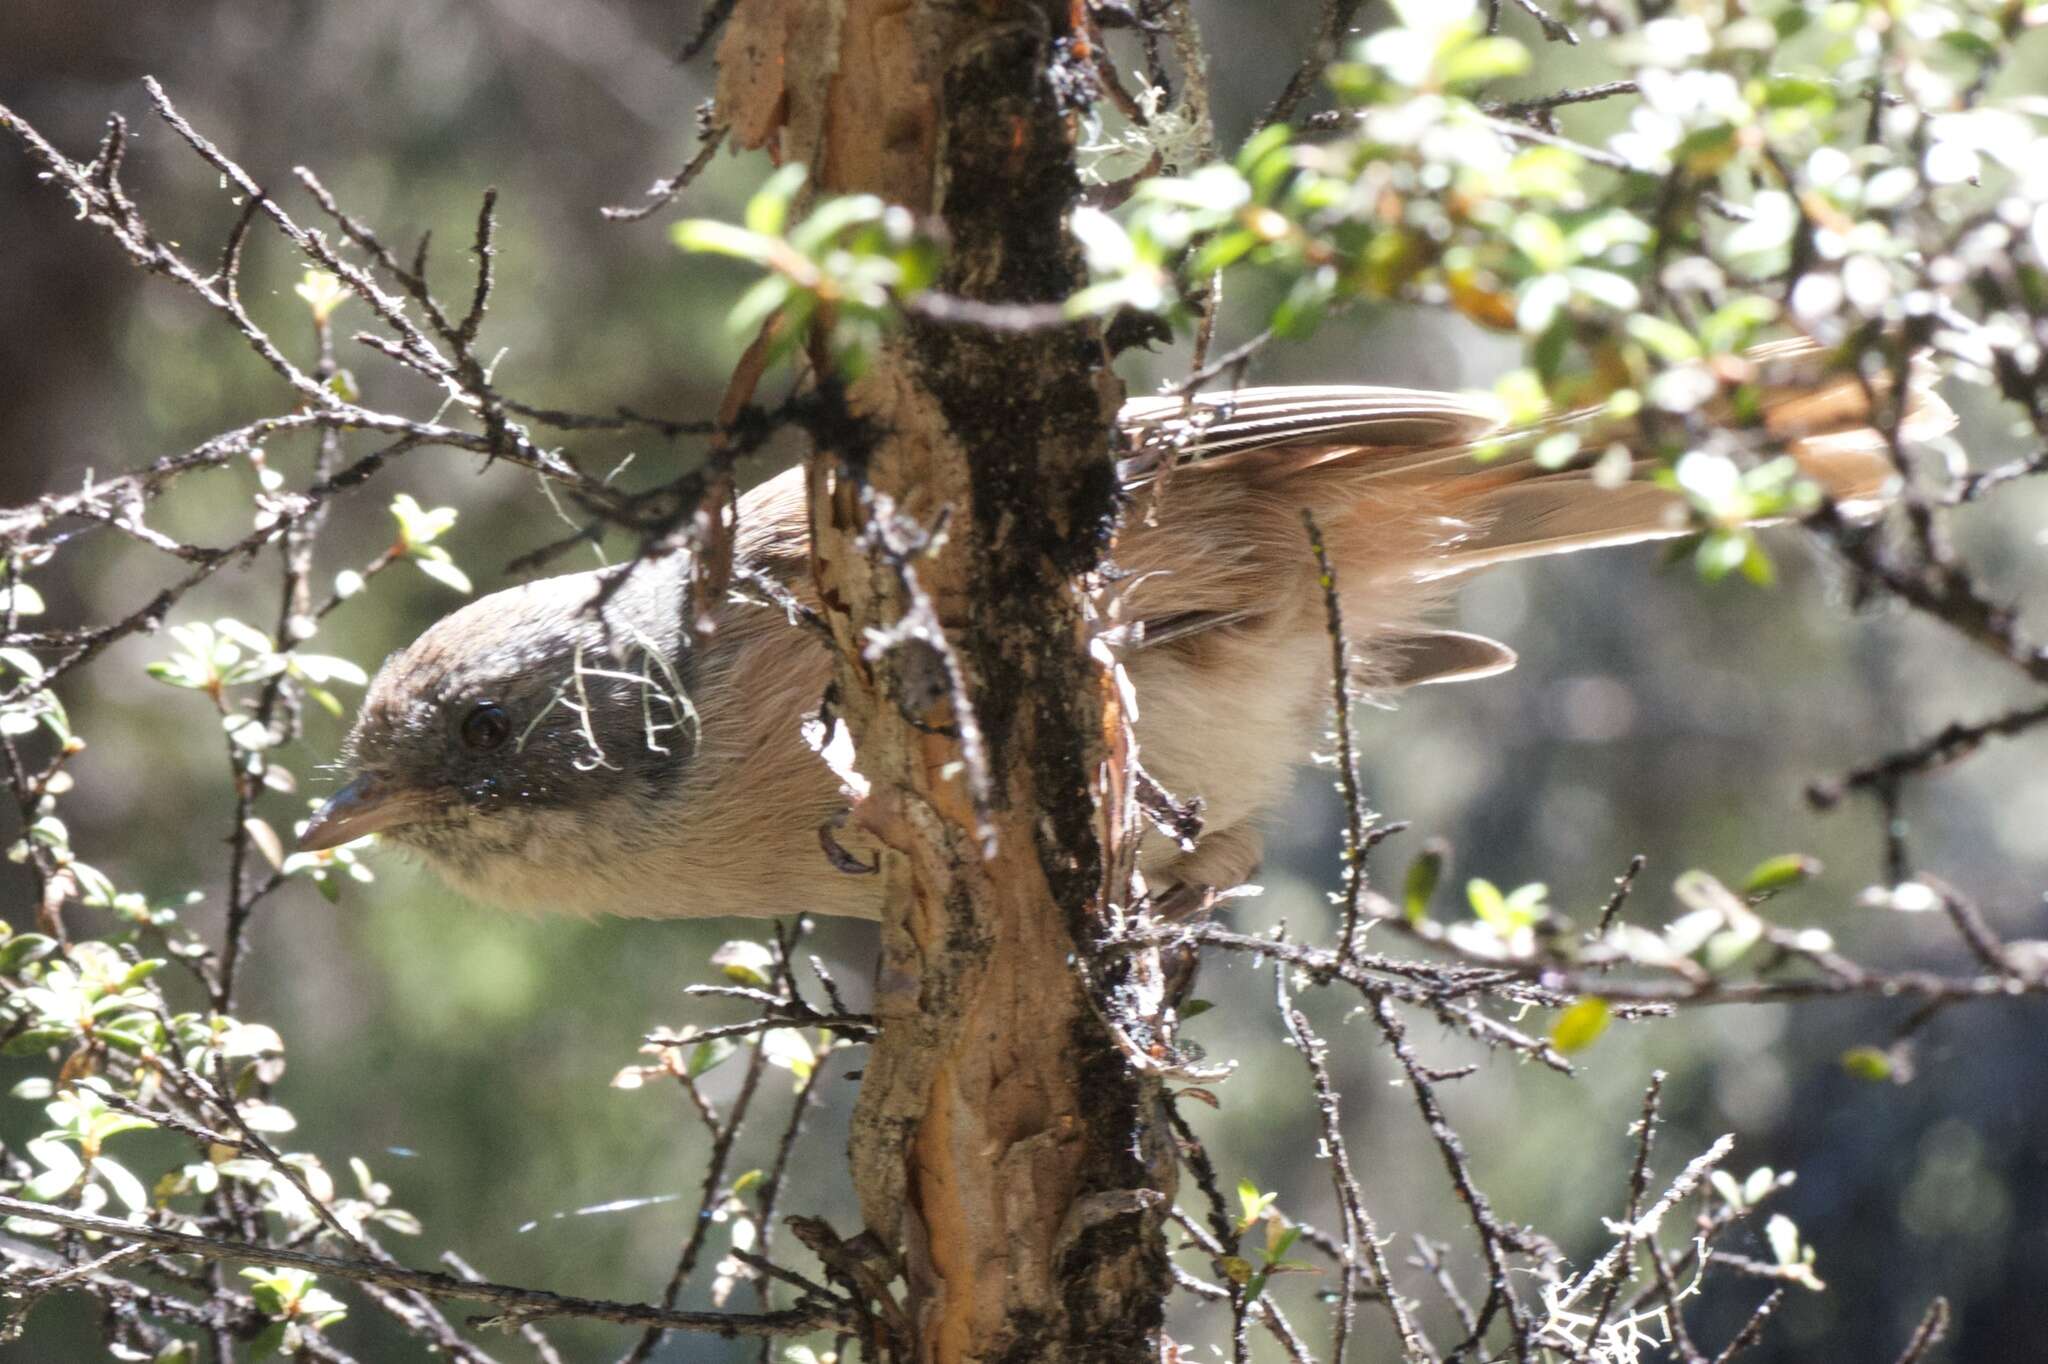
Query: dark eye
486,726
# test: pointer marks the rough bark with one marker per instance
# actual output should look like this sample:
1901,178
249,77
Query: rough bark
1004,1143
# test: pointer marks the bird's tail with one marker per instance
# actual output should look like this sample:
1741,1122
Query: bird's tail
1521,507
1365,448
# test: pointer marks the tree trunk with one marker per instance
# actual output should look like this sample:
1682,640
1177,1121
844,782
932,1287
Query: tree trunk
1004,1142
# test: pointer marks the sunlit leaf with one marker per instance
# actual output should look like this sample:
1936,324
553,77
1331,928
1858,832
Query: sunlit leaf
1579,1026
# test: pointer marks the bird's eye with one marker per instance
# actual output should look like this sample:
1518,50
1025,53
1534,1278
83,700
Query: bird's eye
486,726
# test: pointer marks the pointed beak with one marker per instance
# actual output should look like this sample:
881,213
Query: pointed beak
364,806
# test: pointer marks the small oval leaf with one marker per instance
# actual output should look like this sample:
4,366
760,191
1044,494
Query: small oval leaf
1579,1026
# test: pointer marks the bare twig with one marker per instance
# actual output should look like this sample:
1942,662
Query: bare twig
1929,1333
521,1303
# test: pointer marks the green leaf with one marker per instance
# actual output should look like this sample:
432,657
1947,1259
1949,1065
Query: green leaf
1222,250
61,1169
1305,306
1510,912
1481,60
1254,1203
1720,553
1868,1063
445,572
1556,451
1774,874
1732,325
833,217
1783,1234
1757,566
1725,1185
173,673
238,1041
1419,886
755,306
277,1291
1551,173
708,1055
23,662
1540,303
768,209
1606,288
21,599
263,1117
23,948
788,1049
139,972
1542,241
1104,242
748,963
323,293
1280,1238
1705,150
36,1040
1668,340
122,1182
1972,45
1579,1026
1264,158
709,236
1759,1184
1795,91
417,525
1488,903
326,668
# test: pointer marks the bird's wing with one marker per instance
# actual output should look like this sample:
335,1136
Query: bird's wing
1210,428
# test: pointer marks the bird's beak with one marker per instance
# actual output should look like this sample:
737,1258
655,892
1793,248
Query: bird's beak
364,806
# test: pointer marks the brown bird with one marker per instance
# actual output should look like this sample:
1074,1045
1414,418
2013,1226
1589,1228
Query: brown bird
552,745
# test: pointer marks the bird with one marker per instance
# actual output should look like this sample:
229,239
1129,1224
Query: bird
584,743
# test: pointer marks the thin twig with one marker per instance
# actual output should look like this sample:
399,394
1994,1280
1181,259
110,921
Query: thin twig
1356,817
522,1303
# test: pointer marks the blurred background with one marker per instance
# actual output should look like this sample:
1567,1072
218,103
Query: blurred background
467,1054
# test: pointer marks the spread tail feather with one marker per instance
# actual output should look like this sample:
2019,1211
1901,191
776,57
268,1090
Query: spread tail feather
1423,658
1354,440
1522,510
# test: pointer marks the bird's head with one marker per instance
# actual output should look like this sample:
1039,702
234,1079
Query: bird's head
501,742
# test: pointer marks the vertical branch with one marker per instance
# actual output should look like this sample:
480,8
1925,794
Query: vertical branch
959,500
1495,1241
1356,818
1361,1238
295,622
723,1135
1638,1186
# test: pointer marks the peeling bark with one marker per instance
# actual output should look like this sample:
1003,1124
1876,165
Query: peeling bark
1004,1143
